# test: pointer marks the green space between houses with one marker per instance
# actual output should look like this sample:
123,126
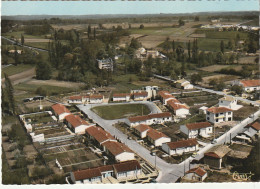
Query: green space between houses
12,70
111,112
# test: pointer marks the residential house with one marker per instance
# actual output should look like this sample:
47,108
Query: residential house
98,135
193,130
165,96
141,130
195,175
121,97
250,85
141,95
180,147
181,110
183,84
105,64
60,111
118,151
77,124
157,138
150,119
123,170
219,114
229,102
250,134
215,157
96,99
75,100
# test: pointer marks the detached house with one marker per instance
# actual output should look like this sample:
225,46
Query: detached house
180,147
118,151
98,135
229,102
157,138
183,84
250,85
196,174
219,114
121,97
150,119
106,64
181,110
75,99
60,111
141,130
76,124
142,95
192,130
96,99
165,96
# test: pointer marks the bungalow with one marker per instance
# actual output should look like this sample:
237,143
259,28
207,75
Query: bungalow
183,84
141,130
157,138
60,111
150,119
180,110
121,97
180,147
142,95
165,96
118,151
96,99
250,85
96,175
75,99
229,102
192,130
98,135
219,114
195,174
76,124
214,157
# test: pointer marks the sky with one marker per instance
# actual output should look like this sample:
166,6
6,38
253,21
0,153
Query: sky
124,7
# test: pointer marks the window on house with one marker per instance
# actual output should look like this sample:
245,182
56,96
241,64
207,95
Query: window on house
216,115
208,113
229,113
207,118
216,120
229,119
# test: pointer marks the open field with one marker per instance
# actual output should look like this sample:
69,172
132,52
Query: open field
12,70
18,34
215,68
121,111
56,83
212,34
219,77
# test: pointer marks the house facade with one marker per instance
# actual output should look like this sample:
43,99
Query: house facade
106,64
183,84
157,138
180,110
180,147
250,85
228,102
117,97
60,111
96,99
77,124
196,174
193,130
141,130
219,114
75,100
139,96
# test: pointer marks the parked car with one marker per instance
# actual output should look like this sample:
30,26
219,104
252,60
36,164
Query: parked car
38,98
27,99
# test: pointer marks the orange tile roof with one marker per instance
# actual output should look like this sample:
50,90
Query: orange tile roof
99,134
218,110
182,144
121,94
75,120
96,97
199,125
116,148
87,173
256,126
60,109
127,166
75,97
150,116
144,93
153,134
177,106
251,83
142,127
212,154
199,171
165,94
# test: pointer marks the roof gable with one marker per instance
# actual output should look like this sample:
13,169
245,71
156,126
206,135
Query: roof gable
182,144
60,109
199,125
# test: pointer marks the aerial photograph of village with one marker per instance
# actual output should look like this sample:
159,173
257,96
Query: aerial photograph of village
130,95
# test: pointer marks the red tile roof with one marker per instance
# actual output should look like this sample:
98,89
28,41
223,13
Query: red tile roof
165,94
99,134
177,106
150,116
218,110
251,83
59,109
212,154
141,128
75,120
75,97
87,173
144,93
256,126
96,97
199,171
199,125
116,148
182,144
121,94
153,134
127,166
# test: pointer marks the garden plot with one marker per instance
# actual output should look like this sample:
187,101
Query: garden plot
52,132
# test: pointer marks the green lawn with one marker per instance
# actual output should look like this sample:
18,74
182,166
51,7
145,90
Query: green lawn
160,31
212,34
111,112
17,35
42,45
12,70
121,83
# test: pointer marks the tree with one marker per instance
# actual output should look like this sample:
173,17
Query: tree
212,82
173,45
22,39
181,22
237,89
167,44
222,47
197,18
141,26
135,44
43,71
89,31
41,91
220,86
189,53
195,78
16,58
10,93
94,34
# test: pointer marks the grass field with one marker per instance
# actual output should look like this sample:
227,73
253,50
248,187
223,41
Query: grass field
17,35
212,34
122,83
12,70
121,111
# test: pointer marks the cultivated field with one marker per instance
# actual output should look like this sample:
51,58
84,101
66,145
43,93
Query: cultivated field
12,70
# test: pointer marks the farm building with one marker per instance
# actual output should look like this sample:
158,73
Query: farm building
150,119
157,138
60,111
229,102
98,135
183,84
141,95
96,175
106,64
181,110
180,147
77,124
141,130
219,114
118,151
193,130
214,157
121,97
249,85
196,175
